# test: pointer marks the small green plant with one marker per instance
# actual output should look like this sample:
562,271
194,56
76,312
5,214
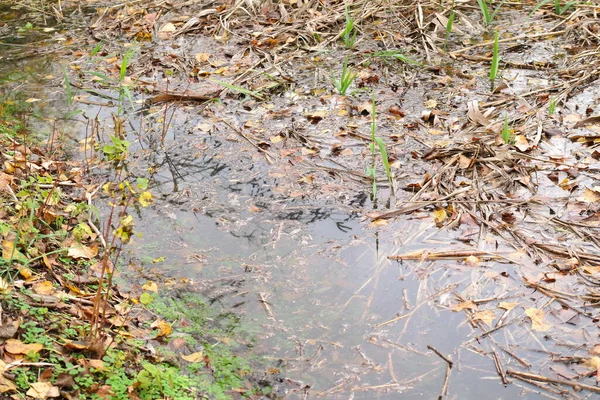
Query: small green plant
25,28
346,79
158,381
375,140
485,11
395,55
552,106
495,61
506,134
558,9
124,91
116,151
449,25
349,33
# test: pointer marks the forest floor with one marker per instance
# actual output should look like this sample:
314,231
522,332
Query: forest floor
463,139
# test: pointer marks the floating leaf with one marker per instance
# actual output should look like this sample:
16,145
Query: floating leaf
486,316
469,305
537,319
472,261
439,215
506,305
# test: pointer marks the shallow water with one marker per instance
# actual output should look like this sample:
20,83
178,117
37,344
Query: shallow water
300,263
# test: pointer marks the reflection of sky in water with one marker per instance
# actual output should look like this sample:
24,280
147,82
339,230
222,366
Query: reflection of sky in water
324,275
324,286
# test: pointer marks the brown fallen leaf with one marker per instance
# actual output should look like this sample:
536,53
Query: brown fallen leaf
506,305
43,288
9,329
164,329
43,390
475,115
486,316
150,286
537,319
468,305
194,357
15,346
79,250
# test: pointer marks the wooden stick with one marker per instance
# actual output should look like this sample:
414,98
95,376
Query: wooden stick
540,378
443,357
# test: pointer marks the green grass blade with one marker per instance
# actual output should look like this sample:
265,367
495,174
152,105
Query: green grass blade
384,157
495,60
484,11
505,130
497,10
540,5
125,63
239,89
68,89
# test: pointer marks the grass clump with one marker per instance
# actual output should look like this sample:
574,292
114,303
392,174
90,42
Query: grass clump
349,33
347,77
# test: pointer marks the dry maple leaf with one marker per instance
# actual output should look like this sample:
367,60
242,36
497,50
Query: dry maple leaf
486,316
537,319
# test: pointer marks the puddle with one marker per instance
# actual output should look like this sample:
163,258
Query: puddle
286,244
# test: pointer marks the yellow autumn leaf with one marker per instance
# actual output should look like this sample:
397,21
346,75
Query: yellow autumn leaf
150,286
537,319
6,385
379,222
145,199
10,252
486,317
201,57
194,357
521,143
464,305
26,273
507,305
44,288
164,329
431,103
78,250
439,215
276,139
43,390
15,346
589,196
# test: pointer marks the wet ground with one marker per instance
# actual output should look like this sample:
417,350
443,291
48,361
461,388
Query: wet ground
263,206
